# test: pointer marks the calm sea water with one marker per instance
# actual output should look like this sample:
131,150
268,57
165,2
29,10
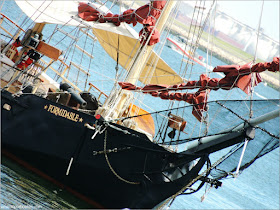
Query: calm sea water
256,188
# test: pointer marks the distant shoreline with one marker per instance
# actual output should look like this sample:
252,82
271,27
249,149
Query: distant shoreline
272,79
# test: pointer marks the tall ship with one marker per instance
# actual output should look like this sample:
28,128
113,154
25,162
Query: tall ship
90,104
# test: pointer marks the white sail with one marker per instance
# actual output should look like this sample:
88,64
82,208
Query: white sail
60,12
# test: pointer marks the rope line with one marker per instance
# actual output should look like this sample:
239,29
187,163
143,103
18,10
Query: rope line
110,166
189,184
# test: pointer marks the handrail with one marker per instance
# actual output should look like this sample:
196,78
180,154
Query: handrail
60,74
12,21
9,49
101,92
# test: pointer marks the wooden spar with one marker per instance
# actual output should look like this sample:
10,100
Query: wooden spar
136,68
206,142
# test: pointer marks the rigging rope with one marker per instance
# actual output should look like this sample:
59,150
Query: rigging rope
162,206
259,26
254,60
239,116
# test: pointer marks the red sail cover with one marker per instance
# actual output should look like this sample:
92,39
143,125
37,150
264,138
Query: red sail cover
146,15
235,76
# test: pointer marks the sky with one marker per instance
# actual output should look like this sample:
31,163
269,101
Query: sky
248,12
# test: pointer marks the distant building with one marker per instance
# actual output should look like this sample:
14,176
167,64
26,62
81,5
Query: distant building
245,37
237,34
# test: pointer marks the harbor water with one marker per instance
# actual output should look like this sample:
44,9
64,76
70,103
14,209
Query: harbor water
256,188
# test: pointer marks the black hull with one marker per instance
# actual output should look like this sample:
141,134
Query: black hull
129,175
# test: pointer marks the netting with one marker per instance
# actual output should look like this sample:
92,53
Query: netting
266,139
222,117
262,144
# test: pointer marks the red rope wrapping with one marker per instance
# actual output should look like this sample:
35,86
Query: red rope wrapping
24,63
15,45
235,76
145,15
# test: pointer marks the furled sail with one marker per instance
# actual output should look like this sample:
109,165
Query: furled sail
145,15
235,76
111,37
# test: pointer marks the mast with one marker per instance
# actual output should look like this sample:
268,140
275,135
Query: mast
122,98
144,54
